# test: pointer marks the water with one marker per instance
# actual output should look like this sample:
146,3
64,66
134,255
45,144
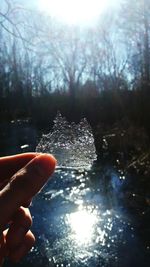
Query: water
17,137
98,217
71,144
81,220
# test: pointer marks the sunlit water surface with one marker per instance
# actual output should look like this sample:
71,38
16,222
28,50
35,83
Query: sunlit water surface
80,221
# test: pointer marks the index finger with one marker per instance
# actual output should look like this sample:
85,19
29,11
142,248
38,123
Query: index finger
24,185
12,164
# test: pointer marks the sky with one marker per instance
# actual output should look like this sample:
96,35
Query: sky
71,11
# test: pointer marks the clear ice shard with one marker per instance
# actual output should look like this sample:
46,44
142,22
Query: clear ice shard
71,144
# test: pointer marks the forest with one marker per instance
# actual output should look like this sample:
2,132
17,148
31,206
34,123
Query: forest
98,74
101,72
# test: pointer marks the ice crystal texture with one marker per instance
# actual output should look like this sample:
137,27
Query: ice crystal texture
71,144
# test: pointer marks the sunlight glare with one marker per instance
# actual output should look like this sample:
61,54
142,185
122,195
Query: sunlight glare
74,11
82,225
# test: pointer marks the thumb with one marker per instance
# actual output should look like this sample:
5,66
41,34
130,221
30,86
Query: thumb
24,185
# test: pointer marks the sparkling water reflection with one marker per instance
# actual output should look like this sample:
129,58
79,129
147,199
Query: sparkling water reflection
80,221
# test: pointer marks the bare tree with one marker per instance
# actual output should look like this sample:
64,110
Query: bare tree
107,59
135,19
65,47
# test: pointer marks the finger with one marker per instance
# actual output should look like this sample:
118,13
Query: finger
24,185
19,252
2,249
27,203
10,165
22,221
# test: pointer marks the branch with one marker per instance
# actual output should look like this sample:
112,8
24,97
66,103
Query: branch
16,32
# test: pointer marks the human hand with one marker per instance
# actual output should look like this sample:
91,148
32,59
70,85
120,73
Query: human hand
21,177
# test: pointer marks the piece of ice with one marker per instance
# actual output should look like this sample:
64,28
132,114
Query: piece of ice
71,144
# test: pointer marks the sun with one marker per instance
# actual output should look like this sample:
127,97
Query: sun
74,11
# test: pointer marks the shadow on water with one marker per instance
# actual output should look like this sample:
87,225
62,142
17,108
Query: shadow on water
87,218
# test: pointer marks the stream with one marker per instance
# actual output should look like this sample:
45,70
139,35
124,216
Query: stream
97,217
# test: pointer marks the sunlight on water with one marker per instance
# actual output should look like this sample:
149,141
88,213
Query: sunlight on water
82,225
